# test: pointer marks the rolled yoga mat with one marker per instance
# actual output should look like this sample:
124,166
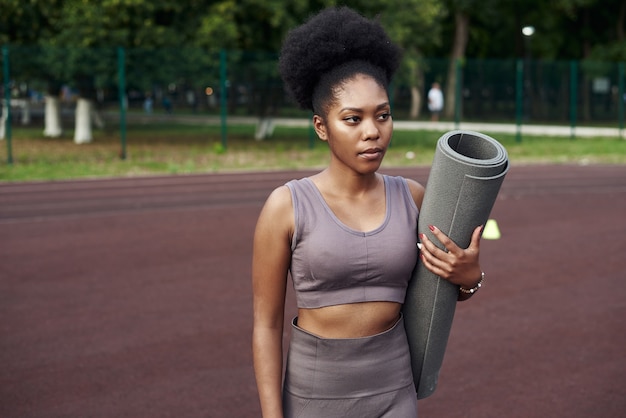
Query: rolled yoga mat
464,180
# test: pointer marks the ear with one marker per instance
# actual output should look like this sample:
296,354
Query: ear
320,127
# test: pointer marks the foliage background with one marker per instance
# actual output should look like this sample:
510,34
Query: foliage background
174,46
566,29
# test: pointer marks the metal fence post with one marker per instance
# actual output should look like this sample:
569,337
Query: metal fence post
519,98
573,102
7,102
121,71
223,97
621,97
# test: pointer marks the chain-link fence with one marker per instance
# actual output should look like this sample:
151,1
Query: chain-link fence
52,88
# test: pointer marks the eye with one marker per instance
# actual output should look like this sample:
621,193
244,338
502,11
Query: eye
352,119
384,116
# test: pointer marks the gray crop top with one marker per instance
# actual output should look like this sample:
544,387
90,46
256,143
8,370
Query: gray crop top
332,264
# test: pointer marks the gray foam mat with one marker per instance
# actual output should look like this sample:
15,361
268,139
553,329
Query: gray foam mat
465,178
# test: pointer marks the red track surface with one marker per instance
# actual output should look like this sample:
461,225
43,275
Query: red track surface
131,298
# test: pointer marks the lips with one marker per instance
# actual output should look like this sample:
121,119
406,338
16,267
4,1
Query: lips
371,153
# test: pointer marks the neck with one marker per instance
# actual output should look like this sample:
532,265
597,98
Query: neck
349,183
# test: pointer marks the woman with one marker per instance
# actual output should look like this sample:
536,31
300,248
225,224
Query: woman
348,237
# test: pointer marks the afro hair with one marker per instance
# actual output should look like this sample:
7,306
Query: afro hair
332,39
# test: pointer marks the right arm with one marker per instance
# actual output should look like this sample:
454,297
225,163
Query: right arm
270,264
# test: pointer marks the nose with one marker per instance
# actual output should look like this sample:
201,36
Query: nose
370,129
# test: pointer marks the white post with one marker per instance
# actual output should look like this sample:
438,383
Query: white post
3,119
52,117
25,104
82,132
264,128
97,118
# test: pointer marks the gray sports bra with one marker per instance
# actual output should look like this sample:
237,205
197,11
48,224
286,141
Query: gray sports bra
333,264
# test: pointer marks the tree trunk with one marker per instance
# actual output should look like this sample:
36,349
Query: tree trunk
461,34
416,94
264,128
620,21
586,82
25,111
82,132
417,87
52,117
3,119
96,117
416,102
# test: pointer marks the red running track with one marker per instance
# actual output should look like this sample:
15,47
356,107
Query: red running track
131,298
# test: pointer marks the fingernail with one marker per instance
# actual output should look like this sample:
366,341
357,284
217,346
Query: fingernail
432,228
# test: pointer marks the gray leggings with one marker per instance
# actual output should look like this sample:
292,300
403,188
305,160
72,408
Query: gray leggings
353,377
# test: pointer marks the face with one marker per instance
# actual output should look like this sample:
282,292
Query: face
358,126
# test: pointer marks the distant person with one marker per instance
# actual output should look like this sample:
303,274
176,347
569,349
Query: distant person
435,102
147,104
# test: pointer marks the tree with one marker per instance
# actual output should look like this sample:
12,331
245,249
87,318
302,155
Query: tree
176,42
23,24
256,29
91,30
461,14
416,27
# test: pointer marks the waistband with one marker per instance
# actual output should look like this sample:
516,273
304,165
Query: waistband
351,367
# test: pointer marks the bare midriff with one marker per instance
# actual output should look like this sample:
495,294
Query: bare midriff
352,320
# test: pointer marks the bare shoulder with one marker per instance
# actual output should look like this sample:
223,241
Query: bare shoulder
277,213
417,191
279,200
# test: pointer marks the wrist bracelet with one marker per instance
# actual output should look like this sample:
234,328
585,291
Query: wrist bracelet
475,288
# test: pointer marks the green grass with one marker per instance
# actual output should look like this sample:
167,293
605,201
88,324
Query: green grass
177,149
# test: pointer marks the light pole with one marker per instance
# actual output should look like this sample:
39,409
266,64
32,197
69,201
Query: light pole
528,31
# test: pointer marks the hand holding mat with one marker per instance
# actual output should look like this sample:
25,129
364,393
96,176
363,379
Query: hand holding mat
464,181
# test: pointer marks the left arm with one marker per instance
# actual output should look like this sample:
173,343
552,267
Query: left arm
457,265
